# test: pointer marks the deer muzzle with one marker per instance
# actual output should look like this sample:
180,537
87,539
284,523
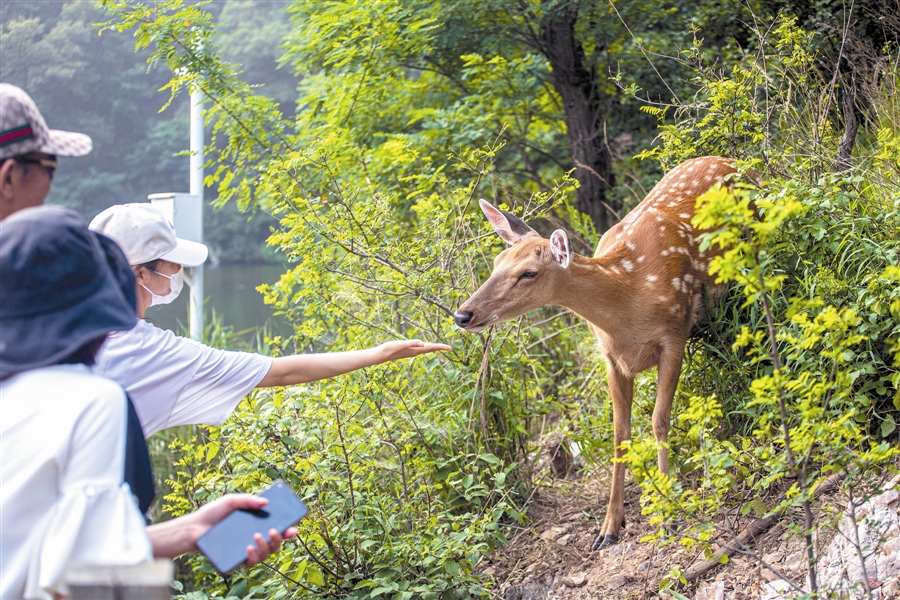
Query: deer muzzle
462,318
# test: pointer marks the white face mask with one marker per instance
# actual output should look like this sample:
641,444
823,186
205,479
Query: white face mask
176,282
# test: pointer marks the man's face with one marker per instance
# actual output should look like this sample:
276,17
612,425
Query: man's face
25,181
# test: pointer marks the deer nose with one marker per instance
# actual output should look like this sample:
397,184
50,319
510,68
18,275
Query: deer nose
462,318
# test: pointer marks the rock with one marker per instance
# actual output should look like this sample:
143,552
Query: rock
769,575
796,560
644,566
560,458
891,589
565,539
775,590
553,532
711,591
616,581
531,589
575,581
878,528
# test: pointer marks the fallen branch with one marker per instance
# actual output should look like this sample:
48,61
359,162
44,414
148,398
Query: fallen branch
753,531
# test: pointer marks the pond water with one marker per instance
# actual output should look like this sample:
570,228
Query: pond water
231,292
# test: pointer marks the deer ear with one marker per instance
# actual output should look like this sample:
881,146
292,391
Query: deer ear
560,248
510,227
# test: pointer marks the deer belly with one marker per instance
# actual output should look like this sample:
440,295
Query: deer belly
629,355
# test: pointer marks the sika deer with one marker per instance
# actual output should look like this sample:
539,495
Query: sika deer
641,294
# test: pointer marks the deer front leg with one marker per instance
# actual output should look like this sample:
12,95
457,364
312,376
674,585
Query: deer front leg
621,389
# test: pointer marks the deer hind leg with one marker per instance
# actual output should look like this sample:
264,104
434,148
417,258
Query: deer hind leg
669,370
621,388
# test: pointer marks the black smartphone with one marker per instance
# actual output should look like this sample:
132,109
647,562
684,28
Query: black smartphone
225,544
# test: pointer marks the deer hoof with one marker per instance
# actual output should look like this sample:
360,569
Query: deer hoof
604,541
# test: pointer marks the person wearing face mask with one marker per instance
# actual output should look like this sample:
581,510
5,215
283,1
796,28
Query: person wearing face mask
176,381
62,426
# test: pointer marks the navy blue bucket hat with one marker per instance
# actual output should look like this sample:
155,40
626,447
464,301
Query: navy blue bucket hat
62,286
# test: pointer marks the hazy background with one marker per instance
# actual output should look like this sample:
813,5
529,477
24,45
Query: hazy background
98,85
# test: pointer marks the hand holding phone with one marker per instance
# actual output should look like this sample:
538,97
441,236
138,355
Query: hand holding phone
225,544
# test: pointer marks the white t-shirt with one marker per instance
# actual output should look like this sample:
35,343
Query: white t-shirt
176,381
62,449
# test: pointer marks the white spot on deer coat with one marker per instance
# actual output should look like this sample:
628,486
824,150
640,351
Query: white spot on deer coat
627,265
652,278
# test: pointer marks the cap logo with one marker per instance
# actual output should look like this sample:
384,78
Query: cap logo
16,134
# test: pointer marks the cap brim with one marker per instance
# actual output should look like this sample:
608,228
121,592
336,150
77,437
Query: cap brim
67,143
187,253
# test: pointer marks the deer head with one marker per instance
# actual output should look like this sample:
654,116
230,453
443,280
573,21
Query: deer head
525,276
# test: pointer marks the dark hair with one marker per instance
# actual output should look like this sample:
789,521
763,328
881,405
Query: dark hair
25,166
149,265
85,355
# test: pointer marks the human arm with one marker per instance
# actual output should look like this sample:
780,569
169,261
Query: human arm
303,368
179,536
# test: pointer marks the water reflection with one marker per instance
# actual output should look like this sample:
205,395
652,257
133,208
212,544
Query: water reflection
231,292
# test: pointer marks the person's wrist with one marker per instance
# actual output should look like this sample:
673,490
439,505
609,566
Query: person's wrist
382,354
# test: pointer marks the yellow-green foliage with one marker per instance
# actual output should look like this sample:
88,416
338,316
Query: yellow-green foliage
796,377
411,469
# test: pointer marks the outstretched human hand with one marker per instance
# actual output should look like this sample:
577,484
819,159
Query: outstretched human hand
408,349
302,368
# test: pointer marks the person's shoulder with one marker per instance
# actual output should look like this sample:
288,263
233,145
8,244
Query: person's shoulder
67,387
142,336
80,379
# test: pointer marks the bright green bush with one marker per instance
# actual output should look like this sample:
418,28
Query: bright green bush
795,377
412,469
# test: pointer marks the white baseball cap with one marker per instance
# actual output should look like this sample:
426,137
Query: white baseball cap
145,235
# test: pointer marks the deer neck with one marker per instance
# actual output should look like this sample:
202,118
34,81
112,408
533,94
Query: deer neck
598,290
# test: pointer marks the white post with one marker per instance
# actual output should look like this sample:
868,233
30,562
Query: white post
196,273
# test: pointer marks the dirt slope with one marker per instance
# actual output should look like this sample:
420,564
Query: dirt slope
551,558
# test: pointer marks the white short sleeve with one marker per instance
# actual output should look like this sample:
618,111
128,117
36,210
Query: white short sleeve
176,381
62,447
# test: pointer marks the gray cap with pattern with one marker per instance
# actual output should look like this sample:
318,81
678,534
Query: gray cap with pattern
23,129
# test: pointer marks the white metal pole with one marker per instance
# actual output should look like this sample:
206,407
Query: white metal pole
196,165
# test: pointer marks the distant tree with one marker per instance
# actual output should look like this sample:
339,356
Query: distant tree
98,84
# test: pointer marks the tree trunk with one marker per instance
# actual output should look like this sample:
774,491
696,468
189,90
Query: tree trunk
584,114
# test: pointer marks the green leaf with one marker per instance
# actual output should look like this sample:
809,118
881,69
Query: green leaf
888,426
314,576
375,593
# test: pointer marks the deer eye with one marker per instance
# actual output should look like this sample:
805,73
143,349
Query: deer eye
528,275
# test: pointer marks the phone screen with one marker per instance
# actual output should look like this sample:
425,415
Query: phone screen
225,545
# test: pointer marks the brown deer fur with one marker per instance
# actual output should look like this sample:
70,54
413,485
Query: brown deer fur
641,294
